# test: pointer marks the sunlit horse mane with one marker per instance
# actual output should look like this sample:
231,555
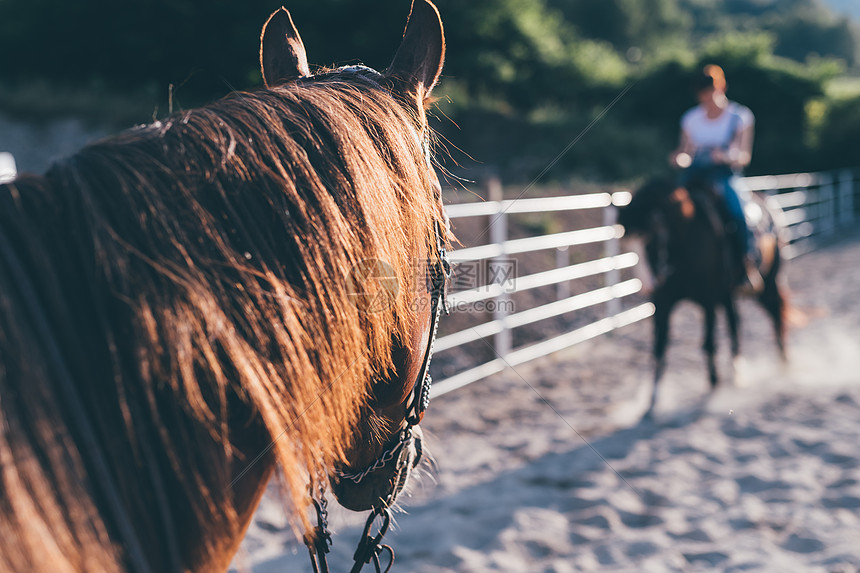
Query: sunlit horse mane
194,273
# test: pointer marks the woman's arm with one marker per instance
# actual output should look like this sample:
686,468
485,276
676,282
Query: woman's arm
683,156
739,153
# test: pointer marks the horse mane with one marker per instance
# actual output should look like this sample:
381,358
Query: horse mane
195,275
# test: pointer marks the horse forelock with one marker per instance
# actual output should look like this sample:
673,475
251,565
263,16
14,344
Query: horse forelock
205,260
659,193
681,199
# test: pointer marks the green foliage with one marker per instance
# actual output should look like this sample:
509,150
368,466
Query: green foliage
778,95
524,78
798,37
839,135
733,48
523,53
626,23
843,87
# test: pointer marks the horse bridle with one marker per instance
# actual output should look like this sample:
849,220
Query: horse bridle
370,547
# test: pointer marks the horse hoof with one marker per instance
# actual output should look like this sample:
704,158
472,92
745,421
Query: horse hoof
713,379
648,416
740,372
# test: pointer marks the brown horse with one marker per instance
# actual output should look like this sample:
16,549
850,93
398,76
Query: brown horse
178,319
690,255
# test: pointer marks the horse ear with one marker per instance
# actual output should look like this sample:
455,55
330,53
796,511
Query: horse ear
282,53
418,62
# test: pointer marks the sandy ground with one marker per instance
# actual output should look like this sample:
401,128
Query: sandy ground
549,469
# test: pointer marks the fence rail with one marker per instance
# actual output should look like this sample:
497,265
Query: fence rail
499,329
7,167
813,207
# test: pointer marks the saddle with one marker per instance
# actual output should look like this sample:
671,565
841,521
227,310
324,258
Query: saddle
760,225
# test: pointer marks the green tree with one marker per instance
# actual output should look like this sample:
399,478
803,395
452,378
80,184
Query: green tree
839,135
524,53
525,76
626,23
798,37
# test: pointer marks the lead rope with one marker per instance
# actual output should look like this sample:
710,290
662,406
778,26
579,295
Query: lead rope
371,547
439,304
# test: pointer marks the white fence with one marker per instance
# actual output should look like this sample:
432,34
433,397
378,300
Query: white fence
500,248
815,206
7,167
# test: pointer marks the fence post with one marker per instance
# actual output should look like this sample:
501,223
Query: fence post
846,198
826,205
612,249
562,260
8,171
498,236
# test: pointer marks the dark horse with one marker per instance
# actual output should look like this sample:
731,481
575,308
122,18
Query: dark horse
689,252
177,320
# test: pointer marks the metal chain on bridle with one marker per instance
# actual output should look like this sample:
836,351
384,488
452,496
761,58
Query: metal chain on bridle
370,547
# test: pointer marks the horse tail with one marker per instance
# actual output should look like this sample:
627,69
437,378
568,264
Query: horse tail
776,299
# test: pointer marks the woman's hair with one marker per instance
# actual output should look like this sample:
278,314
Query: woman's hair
711,76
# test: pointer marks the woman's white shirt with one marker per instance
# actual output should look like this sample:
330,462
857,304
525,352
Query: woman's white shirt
704,132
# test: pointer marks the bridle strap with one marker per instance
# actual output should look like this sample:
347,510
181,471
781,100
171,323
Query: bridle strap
90,449
440,272
371,547
319,544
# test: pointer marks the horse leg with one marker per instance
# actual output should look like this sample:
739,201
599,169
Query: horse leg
663,308
734,322
774,303
732,319
710,345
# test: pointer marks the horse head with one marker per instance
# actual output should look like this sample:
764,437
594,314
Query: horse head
660,201
249,285
659,210
386,445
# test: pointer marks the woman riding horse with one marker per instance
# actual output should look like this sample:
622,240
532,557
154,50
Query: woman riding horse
715,146
685,248
694,253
